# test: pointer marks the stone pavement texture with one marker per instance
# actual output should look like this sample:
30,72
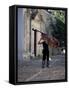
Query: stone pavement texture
31,70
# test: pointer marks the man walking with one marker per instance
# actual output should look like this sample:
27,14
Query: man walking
43,40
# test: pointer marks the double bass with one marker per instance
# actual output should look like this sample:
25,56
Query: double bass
52,41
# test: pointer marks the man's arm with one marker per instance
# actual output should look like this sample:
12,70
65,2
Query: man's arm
40,41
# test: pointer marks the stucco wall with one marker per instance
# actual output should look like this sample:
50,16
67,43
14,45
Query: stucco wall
20,33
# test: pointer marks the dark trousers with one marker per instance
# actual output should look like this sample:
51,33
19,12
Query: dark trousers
45,56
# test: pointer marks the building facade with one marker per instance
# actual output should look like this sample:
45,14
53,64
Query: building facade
28,39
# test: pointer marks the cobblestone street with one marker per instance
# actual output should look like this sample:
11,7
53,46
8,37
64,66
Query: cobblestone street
31,70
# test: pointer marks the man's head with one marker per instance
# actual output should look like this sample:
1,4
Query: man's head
44,36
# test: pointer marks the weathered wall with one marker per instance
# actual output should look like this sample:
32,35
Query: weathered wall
20,34
42,22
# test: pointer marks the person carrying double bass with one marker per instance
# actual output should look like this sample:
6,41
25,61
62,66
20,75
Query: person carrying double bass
43,40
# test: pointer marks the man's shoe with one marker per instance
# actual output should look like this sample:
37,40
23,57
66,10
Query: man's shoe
47,66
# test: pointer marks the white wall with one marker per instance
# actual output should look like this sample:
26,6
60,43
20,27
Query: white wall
20,33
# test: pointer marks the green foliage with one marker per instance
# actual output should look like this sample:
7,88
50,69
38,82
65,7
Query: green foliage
59,32
59,14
